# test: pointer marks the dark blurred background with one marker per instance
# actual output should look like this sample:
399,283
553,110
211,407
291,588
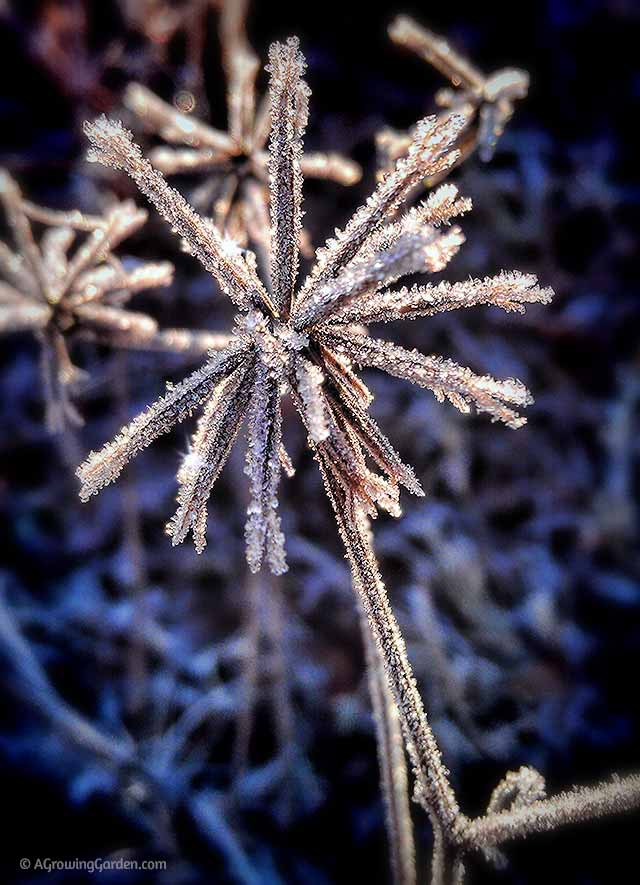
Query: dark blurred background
516,580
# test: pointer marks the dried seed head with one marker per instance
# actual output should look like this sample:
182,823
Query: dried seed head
307,344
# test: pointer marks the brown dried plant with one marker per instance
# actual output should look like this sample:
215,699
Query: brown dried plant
55,294
235,163
486,101
304,341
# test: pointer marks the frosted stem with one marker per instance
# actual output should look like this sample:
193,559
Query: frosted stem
392,761
434,790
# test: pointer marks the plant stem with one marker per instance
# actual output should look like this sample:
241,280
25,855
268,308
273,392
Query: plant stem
577,805
433,789
392,761
447,867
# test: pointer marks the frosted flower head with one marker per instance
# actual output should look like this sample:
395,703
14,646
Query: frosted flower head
487,102
306,340
69,281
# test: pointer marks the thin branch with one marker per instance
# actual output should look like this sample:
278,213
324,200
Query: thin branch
578,805
434,789
392,762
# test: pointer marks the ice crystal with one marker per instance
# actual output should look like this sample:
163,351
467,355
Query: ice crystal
237,166
485,101
306,341
72,283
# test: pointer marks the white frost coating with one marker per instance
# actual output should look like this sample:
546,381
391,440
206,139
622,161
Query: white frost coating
310,381
264,440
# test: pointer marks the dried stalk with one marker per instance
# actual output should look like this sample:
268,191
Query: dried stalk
434,790
391,759
516,809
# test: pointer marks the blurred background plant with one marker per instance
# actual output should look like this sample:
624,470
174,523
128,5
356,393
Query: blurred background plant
517,579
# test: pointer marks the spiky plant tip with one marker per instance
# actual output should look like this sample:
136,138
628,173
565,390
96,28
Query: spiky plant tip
486,102
112,144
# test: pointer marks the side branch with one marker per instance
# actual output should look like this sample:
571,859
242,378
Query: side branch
578,805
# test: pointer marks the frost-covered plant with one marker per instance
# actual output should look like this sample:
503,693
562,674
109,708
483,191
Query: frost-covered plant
235,163
486,101
304,342
72,283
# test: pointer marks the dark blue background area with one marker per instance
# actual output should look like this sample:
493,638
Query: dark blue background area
548,516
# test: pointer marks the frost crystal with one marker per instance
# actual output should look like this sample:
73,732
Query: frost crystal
305,341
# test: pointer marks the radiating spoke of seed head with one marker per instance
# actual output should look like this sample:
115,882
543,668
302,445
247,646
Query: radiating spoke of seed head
241,67
510,291
21,228
23,316
309,382
438,210
407,33
443,377
170,340
104,466
289,112
13,268
414,251
372,439
264,440
118,284
104,318
343,450
173,126
217,430
114,146
429,154
331,167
